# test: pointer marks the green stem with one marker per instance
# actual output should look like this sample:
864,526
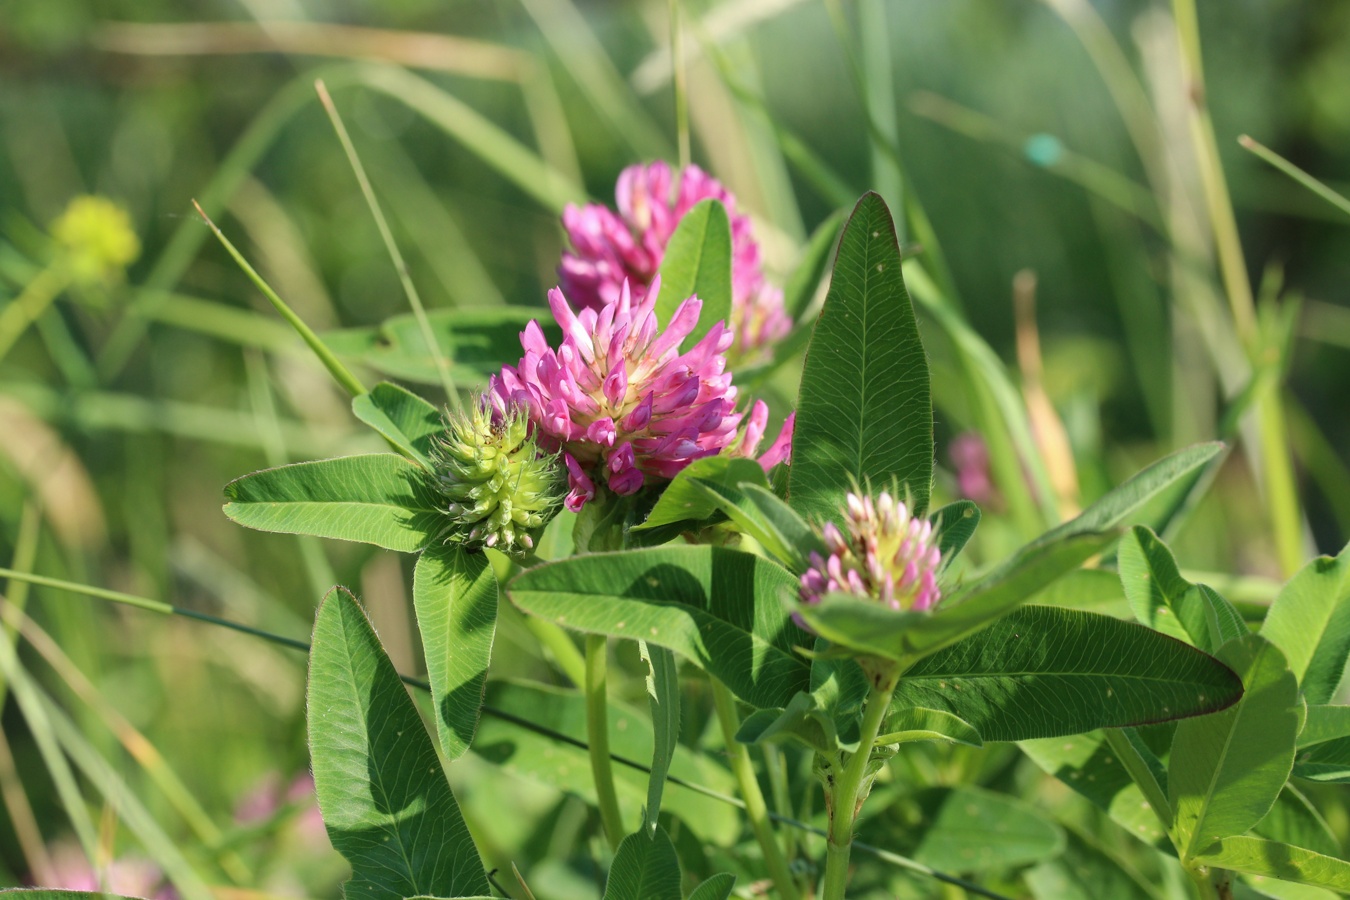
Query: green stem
32,302
1205,888
1281,489
597,733
846,794
755,808
559,643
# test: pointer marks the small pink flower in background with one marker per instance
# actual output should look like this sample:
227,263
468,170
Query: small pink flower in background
970,457
270,795
609,248
129,876
618,397
881,554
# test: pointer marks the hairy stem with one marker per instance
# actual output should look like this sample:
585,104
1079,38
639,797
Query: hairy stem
846,794
755,808
597,734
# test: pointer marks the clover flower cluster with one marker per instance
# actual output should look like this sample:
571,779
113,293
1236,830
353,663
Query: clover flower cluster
882,554
499,486
618,397
611,248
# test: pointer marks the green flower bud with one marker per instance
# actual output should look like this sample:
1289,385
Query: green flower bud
500,487
96,236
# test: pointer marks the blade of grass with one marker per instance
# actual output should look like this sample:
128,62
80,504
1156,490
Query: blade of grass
1294,172
346,380
390,245
681,83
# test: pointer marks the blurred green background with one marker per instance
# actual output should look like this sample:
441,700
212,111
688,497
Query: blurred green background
1014,127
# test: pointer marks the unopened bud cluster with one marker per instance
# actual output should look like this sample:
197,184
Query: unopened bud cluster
881,554
500,487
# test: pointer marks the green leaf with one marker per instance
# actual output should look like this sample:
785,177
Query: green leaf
721,609
1294,820
1227,769
1089,765
1310,623
403,418
755,510
805,720
718,887
684,504
663,693
954,524
476,341
1086,872
380,499
455,595
383,795
1044,671
1167,602
1275,860
1328,761
1324,723
805,279
698,262
918,724
972,830
864,414
514,748
1116,505
870,629
644,868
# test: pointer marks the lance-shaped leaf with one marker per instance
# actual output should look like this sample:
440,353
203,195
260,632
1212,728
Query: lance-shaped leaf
1271,859
697,261
864,414
918,724
805,720
685,506
717,887
455,595
1044,671
645,867
870,629
1328,761
755,510
1310,623
380,499
383,795
721,609
663,694
955,524
1163,600
1226,770
403,418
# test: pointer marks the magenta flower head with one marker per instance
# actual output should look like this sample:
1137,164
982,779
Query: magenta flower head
612,247
618,397
882,554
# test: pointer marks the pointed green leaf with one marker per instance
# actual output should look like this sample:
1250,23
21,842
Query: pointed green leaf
718,887
1310,623
1275,860
644,868
1227,769
1167,602
804,720
455,595
1324,723
380,499
1044,671
1294,820
510,745
403,418
663,693
383,795
864,413
721,609
683,503
756,511
874,630
698,262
